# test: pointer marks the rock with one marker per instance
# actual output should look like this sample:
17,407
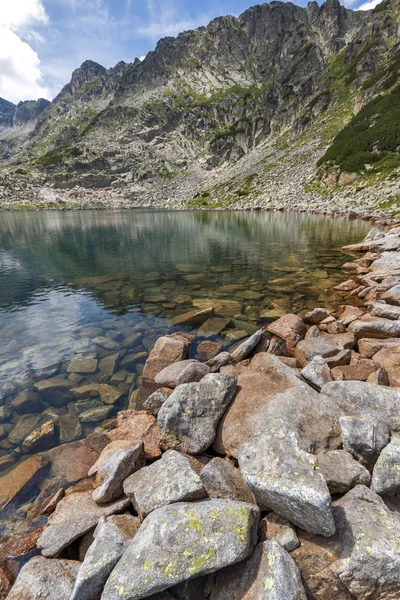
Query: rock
45,579
131,361
109,394
27,403
5,413
316,316
274,526
83,366
7,461
388,357
106,343
364,438
360,560
346,286
194,317
341,471
367,347
290,328
55,384
23,476
73,461
284,478
50,505
168,480
379,377
25,425
245,348
392,296
202,537
207,350
18,545
185,371
359,399
70,428
213,326
74,516
155,401
86,391
6,581
317,373
111,538
96,414
109,365
368,533
219,361
381,329
258,384
386,473
138,426
270,574
385,311
357,372
189,417
222,480
167,350
41,438
117,461
222,308
322,345
84,405
342,358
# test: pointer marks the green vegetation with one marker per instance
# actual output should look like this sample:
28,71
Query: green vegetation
385,5
57,156
247,187
371,137
388,72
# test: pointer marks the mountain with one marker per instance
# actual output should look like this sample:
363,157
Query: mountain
235,114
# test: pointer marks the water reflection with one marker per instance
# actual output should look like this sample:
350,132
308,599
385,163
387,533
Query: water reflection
108,283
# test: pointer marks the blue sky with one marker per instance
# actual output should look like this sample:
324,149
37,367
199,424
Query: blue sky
43,41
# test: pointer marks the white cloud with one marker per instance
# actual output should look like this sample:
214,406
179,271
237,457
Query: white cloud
20,74
369,5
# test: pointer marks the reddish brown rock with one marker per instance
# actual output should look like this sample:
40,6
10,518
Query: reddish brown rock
207,350
72,461
380,377
388,357
19,479
138,426
19,544
6,580
358,372
194,317
222,480
290,328
367,347
346,286
167,350
258,384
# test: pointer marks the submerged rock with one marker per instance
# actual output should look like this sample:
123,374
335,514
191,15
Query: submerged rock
183,541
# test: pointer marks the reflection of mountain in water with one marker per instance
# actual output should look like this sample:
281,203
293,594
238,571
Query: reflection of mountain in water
39,250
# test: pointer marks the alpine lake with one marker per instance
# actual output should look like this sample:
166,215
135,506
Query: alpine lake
101,285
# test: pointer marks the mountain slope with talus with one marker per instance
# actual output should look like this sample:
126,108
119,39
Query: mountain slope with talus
234,114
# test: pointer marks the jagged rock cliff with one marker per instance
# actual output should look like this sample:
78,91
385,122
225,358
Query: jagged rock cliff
240,110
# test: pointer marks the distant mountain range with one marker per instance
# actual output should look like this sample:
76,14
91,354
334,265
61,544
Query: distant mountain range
225,113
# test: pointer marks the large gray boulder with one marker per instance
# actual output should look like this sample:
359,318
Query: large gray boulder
111,538
189,417
117,461
270,574
386,473
45,579
170,479
368,534
361,399
181,542
364,438
74,516
222,480
285,479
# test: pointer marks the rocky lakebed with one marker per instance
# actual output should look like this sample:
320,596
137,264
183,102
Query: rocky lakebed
239,448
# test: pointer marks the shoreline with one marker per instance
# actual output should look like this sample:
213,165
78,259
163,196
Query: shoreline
313,372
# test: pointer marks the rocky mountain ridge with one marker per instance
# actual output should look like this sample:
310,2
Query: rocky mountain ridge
234,114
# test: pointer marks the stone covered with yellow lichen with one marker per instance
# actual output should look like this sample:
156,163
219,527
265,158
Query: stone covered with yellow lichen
182,541
386,474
